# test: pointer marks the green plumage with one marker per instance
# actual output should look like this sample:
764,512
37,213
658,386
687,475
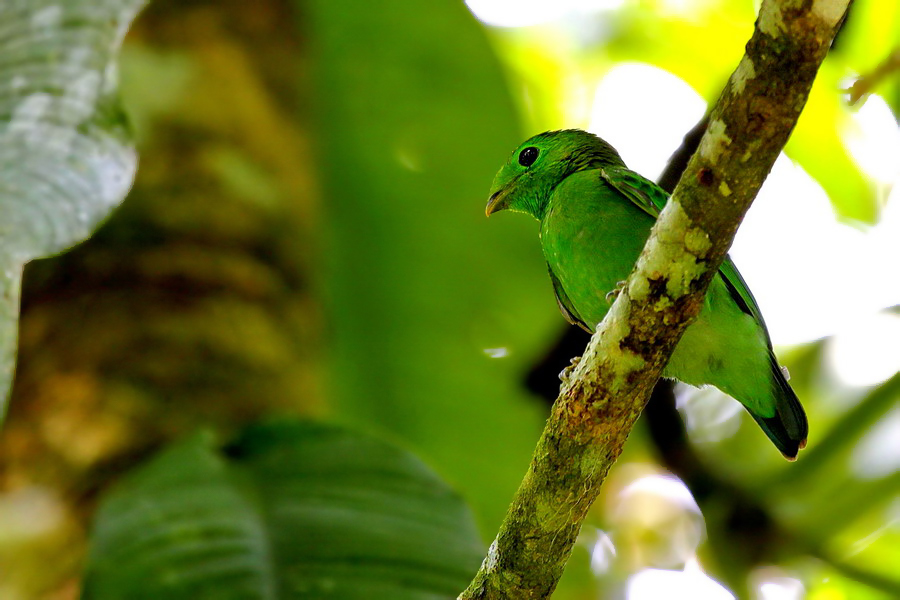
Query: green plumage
595,217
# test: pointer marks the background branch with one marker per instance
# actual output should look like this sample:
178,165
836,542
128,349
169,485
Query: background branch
870,81
599,404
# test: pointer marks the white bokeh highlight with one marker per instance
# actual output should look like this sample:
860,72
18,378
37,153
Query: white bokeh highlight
877,455
644,112
873,139
782,588
690,584
525,13
603,552
709,415
658,521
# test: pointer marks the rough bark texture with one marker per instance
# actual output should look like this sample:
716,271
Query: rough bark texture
605,393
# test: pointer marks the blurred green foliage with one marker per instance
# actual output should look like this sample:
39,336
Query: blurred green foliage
306,236
411,132
289,510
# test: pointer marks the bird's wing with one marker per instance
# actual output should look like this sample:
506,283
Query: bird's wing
565,305
739,291
651,198
645,194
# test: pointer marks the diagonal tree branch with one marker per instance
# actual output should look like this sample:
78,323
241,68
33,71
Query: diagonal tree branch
601,400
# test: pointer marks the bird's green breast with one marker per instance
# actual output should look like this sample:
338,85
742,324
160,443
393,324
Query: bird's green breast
591,237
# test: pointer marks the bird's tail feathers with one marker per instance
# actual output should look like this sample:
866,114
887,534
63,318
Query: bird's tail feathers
788,427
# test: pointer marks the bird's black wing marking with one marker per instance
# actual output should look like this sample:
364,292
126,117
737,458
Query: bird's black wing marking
565,305
740,293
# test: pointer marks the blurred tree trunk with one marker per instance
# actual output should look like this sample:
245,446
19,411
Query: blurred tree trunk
193,304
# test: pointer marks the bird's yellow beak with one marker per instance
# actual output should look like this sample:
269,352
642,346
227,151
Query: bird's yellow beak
496,202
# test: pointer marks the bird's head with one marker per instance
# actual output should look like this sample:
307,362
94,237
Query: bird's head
525,182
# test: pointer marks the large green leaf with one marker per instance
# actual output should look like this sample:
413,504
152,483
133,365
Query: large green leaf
291,510
435,311
64,158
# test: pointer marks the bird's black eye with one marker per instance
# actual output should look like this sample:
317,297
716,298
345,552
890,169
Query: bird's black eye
528,156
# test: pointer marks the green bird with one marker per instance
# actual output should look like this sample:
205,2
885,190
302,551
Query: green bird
595,217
